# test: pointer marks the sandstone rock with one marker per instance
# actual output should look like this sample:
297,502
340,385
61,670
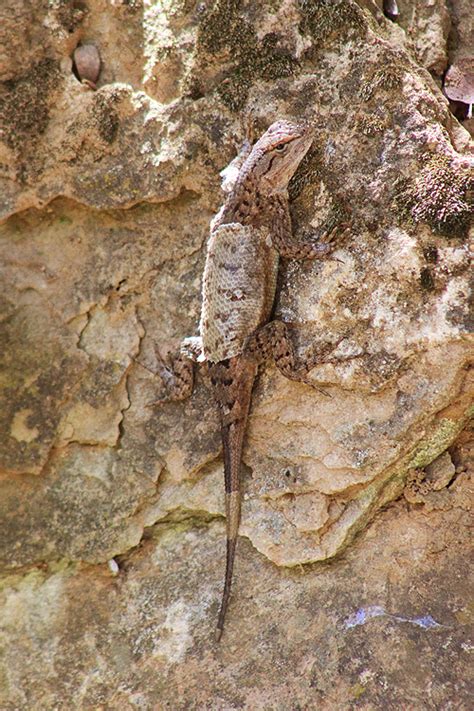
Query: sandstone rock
106,199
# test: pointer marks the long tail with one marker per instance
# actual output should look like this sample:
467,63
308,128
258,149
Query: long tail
232,440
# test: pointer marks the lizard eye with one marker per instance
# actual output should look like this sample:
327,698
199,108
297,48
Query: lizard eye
281,147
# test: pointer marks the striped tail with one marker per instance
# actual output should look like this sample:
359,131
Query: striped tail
232,439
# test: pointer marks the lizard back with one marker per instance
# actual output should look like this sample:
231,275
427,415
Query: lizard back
238,288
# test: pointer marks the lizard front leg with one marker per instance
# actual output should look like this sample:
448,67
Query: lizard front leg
283,241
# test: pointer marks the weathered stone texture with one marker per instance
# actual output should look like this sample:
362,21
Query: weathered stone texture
105,202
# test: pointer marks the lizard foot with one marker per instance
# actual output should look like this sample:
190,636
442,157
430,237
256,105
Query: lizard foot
176,374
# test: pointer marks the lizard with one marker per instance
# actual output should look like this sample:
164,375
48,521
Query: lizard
249,234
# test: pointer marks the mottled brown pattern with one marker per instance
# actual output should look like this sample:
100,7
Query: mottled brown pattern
247,236
235,289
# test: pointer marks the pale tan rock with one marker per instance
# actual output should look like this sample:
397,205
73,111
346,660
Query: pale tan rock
106,199
427,25
462,30
440,472
20,429
84,636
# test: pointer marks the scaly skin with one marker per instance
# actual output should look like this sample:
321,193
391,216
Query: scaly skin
248,234
234,379
259,201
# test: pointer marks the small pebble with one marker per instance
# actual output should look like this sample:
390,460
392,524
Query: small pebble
87,64
113,566
390,9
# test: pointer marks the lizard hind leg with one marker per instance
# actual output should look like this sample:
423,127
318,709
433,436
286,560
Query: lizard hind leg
273,341
177,375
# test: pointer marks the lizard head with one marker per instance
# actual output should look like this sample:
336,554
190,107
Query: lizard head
277,154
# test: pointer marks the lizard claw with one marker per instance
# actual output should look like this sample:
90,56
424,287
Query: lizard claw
323,392
176,375
142,365
320,390
156,403
338,232
192,349
159,373
302,378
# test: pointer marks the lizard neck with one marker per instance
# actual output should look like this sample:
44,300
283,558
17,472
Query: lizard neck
244,203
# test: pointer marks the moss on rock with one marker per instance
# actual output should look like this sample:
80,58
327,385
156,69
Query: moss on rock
386,77
328,17
440,196
106,115
25,102
224,34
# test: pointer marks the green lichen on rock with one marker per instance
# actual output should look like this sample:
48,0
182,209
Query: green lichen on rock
25,104
430,448
234,90
328,18
225,35
273,60
388,76
426,279
370,125
388,488
400,206
106,116
222,28
33,578
229,49
442,196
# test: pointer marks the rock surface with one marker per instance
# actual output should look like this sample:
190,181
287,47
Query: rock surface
106,197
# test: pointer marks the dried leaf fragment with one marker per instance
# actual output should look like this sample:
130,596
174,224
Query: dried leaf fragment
459,83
